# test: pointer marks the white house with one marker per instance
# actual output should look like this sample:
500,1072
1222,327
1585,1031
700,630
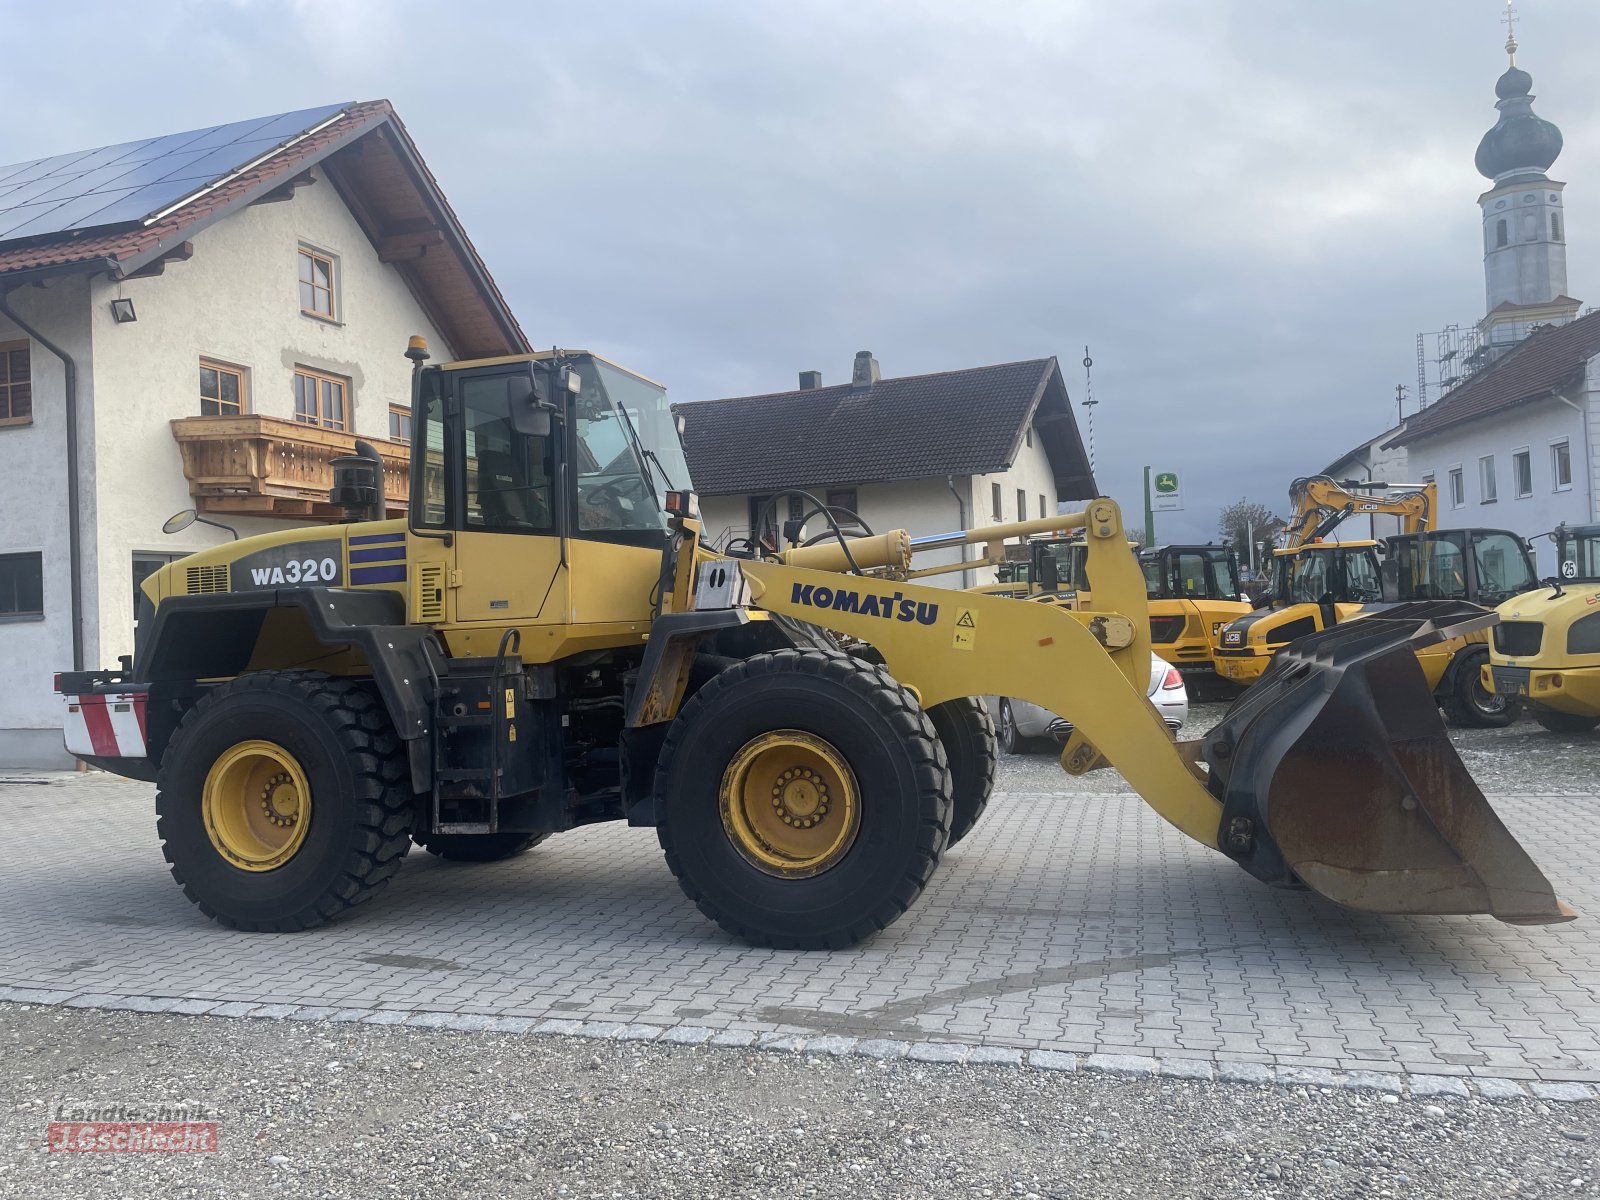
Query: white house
935,453
202,320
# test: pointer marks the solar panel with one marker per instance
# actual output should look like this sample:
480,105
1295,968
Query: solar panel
131,181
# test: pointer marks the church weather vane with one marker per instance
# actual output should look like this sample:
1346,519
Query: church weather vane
1510,20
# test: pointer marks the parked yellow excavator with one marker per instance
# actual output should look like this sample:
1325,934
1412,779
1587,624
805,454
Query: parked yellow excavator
1546,647
545,642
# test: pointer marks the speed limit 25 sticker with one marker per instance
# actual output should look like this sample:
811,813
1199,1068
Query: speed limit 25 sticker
294,564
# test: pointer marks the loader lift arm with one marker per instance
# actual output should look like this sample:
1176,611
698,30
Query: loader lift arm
1337,774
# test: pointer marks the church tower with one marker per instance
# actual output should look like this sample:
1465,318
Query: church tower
1524,224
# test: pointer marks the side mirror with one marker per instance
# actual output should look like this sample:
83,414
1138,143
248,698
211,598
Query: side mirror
528,408
179,521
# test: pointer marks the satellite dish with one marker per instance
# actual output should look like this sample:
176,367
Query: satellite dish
179,521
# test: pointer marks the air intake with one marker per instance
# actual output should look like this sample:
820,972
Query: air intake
203,580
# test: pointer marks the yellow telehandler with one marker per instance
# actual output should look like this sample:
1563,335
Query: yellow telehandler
544,642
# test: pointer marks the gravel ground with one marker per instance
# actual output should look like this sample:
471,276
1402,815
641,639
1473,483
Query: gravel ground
1523,757
314,1110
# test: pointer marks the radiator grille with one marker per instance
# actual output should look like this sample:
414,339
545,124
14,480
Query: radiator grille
430,592
200,580
1516,639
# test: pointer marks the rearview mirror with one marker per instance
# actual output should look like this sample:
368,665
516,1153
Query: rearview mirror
179,521
527,407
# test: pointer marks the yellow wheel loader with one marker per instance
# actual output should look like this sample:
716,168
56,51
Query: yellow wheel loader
1546,648
545,642
1193,591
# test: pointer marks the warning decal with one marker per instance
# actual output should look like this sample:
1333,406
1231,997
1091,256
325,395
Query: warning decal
966,636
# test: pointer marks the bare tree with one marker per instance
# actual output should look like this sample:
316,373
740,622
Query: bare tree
1248,523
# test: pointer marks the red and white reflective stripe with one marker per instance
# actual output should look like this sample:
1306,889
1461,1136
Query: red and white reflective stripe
106,725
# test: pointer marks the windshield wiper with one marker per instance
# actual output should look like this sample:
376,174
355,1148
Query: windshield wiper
645,452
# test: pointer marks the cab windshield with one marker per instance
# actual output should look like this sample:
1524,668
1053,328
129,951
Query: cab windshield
1201,574
626,451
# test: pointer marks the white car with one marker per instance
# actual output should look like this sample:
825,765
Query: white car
1024,726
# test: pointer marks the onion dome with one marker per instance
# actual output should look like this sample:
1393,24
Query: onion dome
1521,142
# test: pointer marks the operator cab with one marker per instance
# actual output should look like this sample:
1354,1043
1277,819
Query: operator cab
1191,573
1327,572
1578,553
1482,566
559,442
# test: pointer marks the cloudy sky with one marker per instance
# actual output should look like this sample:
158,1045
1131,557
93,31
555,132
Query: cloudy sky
1246,208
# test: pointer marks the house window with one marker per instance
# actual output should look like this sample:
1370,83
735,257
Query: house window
1030,437
399,423
1555,227
1458,488
1022,505
1042,512
1522,472
16,384
21,587
1561,465
320,399
1486,492
994,499
316,284
222,392
1502,233
842,498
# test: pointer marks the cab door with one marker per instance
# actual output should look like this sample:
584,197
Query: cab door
501,498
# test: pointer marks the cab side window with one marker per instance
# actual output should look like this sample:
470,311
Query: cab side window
509,475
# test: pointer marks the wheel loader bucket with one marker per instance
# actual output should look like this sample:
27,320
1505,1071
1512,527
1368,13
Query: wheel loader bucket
1335,771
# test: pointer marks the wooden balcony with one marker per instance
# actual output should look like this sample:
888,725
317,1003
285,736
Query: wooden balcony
269,467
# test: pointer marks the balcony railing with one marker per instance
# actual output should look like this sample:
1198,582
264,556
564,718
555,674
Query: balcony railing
270,467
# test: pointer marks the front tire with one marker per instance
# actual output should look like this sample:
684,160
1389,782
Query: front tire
283,800
1564,722
1470,705
966,731
803,800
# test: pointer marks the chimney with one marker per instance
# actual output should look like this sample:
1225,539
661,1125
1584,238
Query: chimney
810,380
865,372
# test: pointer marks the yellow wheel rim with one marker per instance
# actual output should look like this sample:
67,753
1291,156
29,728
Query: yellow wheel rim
256,805
790,804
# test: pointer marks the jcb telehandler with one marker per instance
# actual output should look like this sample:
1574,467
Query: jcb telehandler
1546,648
545,642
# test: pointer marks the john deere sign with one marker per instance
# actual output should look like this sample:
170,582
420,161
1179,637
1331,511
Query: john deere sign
1166,491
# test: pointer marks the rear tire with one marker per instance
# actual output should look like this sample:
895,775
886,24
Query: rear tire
966,732
477,847
248,848
864,805
1470,705
1563,722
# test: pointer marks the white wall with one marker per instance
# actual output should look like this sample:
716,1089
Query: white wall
33,499
1534,426
236,300
1385,466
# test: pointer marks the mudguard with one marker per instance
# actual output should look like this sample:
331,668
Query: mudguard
1335,771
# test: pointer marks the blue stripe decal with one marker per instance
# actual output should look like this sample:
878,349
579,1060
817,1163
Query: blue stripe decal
379,554
395,574
364,539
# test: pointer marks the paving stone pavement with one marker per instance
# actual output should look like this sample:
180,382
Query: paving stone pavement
1070,929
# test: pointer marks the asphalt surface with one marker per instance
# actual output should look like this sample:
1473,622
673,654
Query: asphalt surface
314,1110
